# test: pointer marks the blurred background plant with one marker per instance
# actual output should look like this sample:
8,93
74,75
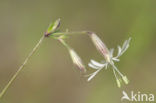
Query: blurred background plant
50,76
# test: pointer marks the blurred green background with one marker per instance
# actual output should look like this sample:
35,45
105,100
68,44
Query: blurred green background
50,77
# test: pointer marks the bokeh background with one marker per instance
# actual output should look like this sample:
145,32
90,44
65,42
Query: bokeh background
50,77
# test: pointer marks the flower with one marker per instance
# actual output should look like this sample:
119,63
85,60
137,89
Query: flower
101,47
74,56
77,60
109,59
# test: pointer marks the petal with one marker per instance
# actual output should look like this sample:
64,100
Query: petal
93,66
93,75
111,52
97,63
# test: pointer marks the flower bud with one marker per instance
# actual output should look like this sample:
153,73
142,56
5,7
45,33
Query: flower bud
77,60
101,47
53,27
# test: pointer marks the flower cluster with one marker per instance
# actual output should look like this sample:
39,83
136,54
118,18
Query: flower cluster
53,31
109,59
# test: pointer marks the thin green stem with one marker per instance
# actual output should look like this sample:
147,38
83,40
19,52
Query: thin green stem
64,43
21,67
69,33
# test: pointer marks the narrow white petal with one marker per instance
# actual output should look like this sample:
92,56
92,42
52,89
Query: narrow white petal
119,50
97,63
93,75
93,66
115,59
124,48
125,43
111,52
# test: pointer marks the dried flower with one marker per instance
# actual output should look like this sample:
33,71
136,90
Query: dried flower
77,60
74,56
109,59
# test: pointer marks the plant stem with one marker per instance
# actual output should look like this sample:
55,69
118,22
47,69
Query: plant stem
69,33
21,67
64,43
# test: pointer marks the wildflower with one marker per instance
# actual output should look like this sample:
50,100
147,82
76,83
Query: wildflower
74,56
109,59
77,60
101,47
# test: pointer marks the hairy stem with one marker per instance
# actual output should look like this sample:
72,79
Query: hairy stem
21,67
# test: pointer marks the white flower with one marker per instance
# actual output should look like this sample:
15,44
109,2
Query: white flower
100,46
109,59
